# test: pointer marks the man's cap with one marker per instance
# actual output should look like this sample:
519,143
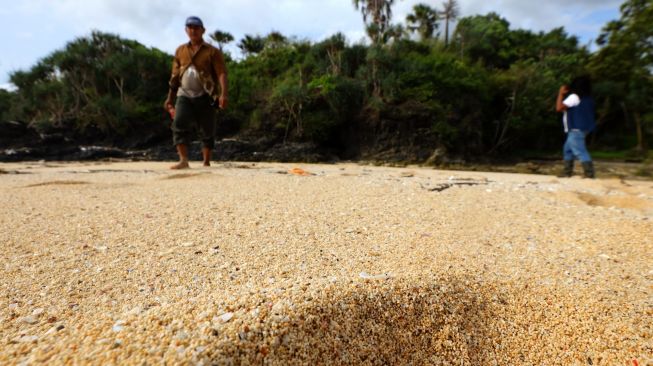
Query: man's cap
194,21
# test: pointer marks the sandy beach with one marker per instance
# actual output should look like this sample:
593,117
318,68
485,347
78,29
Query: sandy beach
256,263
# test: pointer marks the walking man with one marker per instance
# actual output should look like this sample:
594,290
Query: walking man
197,70
578,120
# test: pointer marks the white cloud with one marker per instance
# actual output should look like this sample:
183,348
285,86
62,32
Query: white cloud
8,86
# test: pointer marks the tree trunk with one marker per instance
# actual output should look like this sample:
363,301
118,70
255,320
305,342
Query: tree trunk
376,85
300,124
120,85
446,31
336,61
602,115
625,110
641,143
500,134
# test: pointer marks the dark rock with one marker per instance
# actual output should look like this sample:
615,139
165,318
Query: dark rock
99,152
232,149
54,138
264,149
293,152
13,130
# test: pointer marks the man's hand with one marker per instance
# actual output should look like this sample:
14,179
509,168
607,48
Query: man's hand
170,108
560,106
223,101
220,103
563,90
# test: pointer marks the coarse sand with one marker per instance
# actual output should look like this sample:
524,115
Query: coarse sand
130,263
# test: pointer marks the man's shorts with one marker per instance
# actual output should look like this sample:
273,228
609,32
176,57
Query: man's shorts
191,115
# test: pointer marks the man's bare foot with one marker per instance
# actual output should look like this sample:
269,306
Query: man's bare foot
207,163
180,165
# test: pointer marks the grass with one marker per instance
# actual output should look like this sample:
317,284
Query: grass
623,155
612,155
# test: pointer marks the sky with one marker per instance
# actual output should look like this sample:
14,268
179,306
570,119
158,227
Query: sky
33,29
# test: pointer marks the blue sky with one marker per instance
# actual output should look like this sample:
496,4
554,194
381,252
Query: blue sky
32,29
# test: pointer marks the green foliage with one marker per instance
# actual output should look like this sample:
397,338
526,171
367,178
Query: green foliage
484,39
423,20
6,101
251,45
287,102
376,16
527,109
449,13
101,82
492,91
344,98
624,67
221,38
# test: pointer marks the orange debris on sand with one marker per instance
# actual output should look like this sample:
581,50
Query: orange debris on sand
299,171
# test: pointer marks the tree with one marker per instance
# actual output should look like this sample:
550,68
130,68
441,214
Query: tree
288,98
450,12
394,33
100,81
376,16
251,45
379,13
485,38
221,38
6,101
275,40
423,20
331,49
625,65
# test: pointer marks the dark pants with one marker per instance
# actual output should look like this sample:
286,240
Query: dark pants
192,114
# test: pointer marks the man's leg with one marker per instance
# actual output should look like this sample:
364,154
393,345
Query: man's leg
577,146
206,116
182,151
580,151
568,157
206,156
181,131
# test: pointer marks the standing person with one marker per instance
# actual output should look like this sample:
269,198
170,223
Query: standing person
578,106
196,70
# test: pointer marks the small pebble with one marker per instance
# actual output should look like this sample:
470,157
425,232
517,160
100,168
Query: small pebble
30,319
367,276
226,317
118,326
28,339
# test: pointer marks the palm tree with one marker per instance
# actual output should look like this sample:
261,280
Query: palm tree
380,12
395,33
275,40
424,20
221,38
450,12
251,45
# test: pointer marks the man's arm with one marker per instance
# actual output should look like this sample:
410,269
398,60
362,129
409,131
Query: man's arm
224,95
560,106
173,84
220,69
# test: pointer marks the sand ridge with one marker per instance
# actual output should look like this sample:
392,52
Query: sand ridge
247,263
